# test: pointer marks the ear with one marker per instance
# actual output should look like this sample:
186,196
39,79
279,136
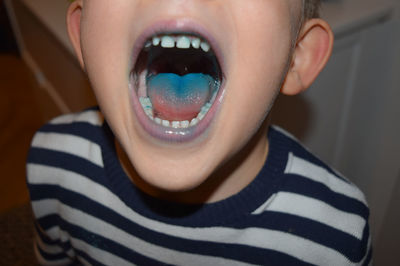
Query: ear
312,51
74,14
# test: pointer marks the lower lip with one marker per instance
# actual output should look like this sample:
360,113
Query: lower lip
168,134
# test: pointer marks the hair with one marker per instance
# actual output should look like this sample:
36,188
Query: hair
311,9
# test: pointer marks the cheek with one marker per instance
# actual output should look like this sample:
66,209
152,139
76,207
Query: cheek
106,55
260,55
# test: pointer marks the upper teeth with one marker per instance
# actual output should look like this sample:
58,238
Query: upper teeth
179,41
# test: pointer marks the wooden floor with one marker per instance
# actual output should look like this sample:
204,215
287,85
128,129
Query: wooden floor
19,119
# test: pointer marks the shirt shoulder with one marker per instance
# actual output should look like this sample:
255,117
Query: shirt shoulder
332,211
68,143
301,162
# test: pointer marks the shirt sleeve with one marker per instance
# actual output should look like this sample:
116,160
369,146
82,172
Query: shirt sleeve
51,245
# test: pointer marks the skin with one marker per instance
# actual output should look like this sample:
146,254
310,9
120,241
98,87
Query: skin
256,39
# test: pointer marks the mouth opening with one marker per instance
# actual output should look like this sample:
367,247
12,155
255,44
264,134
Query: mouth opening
177,78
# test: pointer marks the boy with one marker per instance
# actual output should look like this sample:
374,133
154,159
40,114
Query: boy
194,174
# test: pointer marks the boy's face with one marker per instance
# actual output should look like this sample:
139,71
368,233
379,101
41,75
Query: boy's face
239,77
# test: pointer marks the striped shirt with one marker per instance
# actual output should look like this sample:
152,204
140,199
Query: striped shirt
297,211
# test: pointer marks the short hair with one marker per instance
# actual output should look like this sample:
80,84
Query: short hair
311,9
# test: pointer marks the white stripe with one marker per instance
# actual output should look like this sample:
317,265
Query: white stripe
69,144
253,237
83,261
319,211
54,234
299,166
91,116
265,205
51,249
51,207
97,226
102,256
70,253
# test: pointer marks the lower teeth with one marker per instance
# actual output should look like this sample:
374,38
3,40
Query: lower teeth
148,109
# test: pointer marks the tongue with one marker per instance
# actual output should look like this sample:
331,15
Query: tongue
178,98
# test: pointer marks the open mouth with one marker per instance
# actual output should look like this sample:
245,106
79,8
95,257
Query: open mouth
177,79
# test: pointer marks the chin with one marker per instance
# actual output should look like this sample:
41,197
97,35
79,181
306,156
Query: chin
177,176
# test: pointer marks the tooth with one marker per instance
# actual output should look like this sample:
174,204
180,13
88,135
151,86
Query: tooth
194,122
183,42
185,124
147,45
196,43
208,106
202,113
213,97
142,100
146,103
156,41
158,120
165,123
200,116
149,112
147,107
175,124
167,42
205,46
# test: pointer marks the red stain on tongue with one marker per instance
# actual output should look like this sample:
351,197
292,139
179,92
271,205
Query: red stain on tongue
177,111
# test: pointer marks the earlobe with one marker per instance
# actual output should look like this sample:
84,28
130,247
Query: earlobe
312,51
74,14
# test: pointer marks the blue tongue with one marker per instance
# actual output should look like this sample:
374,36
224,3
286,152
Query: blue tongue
177,97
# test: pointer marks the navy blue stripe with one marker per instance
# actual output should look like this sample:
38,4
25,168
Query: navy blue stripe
86,257
80,129
68,162
230,251
49,221
365,239
46,223
90,238
242,253
304,186
368,258
106,244
50,256
45,239
65,196
317,232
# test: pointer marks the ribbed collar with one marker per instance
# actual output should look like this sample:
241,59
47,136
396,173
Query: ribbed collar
223,212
